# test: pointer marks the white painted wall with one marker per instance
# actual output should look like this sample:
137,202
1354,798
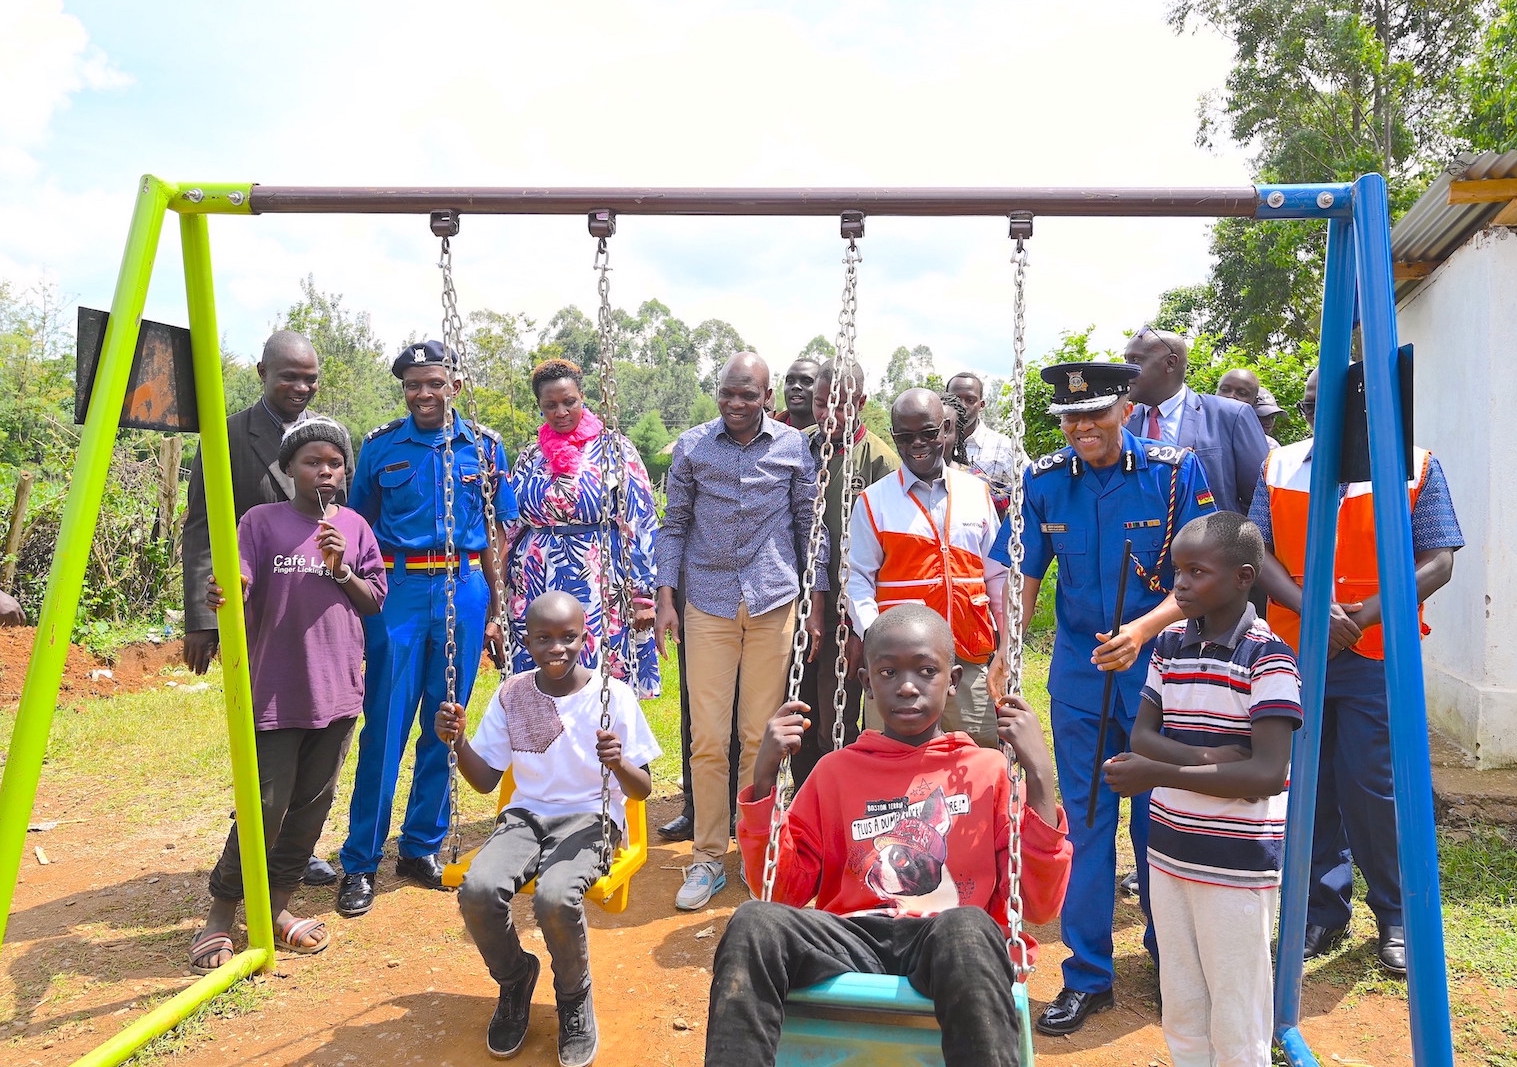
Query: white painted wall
1463,321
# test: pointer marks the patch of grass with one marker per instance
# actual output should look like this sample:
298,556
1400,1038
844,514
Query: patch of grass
1476,866
243,998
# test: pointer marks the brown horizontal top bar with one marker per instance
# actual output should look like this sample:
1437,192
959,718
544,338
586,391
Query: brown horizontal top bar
1164,201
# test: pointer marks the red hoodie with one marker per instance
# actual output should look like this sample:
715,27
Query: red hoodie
888,828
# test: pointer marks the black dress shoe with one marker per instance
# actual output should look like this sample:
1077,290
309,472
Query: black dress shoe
424,870
1391,949
513,1011
1066,1012
679,828
319,872
1320,940
356,894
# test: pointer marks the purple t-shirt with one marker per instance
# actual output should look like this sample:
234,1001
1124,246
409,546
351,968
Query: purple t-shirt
305,640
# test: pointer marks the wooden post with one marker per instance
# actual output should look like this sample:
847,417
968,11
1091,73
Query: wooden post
16,528
168,485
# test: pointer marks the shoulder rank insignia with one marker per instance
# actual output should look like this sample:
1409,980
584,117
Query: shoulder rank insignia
1170,454
386,428
1057,461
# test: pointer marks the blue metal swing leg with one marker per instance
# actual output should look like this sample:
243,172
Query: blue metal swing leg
872,1020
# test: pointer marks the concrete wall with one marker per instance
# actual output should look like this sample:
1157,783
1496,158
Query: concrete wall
1463,321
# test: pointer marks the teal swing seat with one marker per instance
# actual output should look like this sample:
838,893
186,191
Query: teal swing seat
872,1020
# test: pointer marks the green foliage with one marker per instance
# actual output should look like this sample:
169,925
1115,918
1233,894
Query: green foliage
1488,86
1283,373
703,409
36,380
819,349
908,368
357,388
1320,91
649,436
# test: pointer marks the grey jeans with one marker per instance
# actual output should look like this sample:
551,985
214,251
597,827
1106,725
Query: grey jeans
563,852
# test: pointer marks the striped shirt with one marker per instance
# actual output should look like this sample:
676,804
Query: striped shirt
1210,694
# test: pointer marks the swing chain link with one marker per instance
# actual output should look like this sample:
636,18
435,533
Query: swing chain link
1017,947
613,470
451,335
785,782
848,381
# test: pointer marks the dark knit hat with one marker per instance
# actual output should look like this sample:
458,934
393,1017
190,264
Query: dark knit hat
315,428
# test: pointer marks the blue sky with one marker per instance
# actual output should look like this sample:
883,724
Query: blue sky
659,93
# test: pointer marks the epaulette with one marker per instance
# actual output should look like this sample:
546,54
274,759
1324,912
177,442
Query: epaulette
1053,461
1171,454
386,428
493,435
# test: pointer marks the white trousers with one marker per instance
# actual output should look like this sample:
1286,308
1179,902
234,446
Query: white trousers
1215,974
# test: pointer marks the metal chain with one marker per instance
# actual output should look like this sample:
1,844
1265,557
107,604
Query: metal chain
451,335
784,782
613,510
845,377
1021,966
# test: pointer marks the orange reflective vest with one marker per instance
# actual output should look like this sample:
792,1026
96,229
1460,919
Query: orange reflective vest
1287,475
923,565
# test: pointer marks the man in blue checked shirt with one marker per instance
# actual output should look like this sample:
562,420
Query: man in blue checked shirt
736,532
398,488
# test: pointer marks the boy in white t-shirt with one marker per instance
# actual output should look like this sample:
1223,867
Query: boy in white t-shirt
545,724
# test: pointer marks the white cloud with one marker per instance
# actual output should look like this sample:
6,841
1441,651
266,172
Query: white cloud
45,58
661,93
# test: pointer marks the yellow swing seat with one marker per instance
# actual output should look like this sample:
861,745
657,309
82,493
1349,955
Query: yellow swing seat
611,891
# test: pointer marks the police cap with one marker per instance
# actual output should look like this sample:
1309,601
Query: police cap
1079,387
422,354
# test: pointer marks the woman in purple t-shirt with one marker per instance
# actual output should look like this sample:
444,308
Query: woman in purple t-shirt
310,571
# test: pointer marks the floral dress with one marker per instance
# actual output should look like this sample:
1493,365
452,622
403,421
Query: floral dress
555,545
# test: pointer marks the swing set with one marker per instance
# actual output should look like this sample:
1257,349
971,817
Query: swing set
839,1021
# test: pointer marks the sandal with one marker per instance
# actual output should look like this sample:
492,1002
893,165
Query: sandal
207,946
288,937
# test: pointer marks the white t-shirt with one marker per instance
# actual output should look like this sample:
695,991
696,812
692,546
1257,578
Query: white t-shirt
549,743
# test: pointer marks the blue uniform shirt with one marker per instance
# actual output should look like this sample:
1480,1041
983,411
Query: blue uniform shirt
1071,516
398,486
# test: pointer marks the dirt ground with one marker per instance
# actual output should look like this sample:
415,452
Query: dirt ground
101,931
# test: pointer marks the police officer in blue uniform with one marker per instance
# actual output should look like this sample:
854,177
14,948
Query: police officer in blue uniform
1079,505
398,487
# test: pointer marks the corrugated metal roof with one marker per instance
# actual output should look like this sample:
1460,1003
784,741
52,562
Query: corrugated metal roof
1434,228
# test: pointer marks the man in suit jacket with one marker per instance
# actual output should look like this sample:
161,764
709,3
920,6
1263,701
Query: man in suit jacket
1224,434
289,374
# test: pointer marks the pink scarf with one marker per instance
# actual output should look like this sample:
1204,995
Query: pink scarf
564,450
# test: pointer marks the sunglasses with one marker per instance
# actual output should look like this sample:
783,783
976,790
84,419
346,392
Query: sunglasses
1161,339
909,437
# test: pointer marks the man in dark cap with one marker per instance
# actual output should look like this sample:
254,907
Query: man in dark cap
1079,505
399,488
1222,432
290,374
1267,408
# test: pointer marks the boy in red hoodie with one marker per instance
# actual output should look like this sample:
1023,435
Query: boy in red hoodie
901,839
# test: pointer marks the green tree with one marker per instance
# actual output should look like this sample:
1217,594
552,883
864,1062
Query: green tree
36,379
1488,86
819,349
908,368
649,436
1321,91
357,388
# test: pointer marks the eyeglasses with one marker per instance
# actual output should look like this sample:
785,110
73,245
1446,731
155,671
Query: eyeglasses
1307,409
909,437
1161,339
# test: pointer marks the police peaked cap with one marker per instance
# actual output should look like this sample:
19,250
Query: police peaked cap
1081,387
423,354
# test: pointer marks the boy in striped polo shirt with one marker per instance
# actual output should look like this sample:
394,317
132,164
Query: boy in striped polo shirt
1212,740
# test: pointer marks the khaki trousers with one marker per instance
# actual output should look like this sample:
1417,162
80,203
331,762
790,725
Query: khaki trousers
750,655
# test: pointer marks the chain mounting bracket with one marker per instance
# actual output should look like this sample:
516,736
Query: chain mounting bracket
445,223
602,224
1021,226
851,226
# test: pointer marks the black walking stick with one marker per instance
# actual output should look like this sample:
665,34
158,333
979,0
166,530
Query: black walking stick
1111,677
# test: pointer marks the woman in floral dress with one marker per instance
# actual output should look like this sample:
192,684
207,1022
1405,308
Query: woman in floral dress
555,544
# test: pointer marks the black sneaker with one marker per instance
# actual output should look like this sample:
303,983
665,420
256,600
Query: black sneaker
508,1026
577,1037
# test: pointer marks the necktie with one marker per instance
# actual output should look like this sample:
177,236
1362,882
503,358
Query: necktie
1154,433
